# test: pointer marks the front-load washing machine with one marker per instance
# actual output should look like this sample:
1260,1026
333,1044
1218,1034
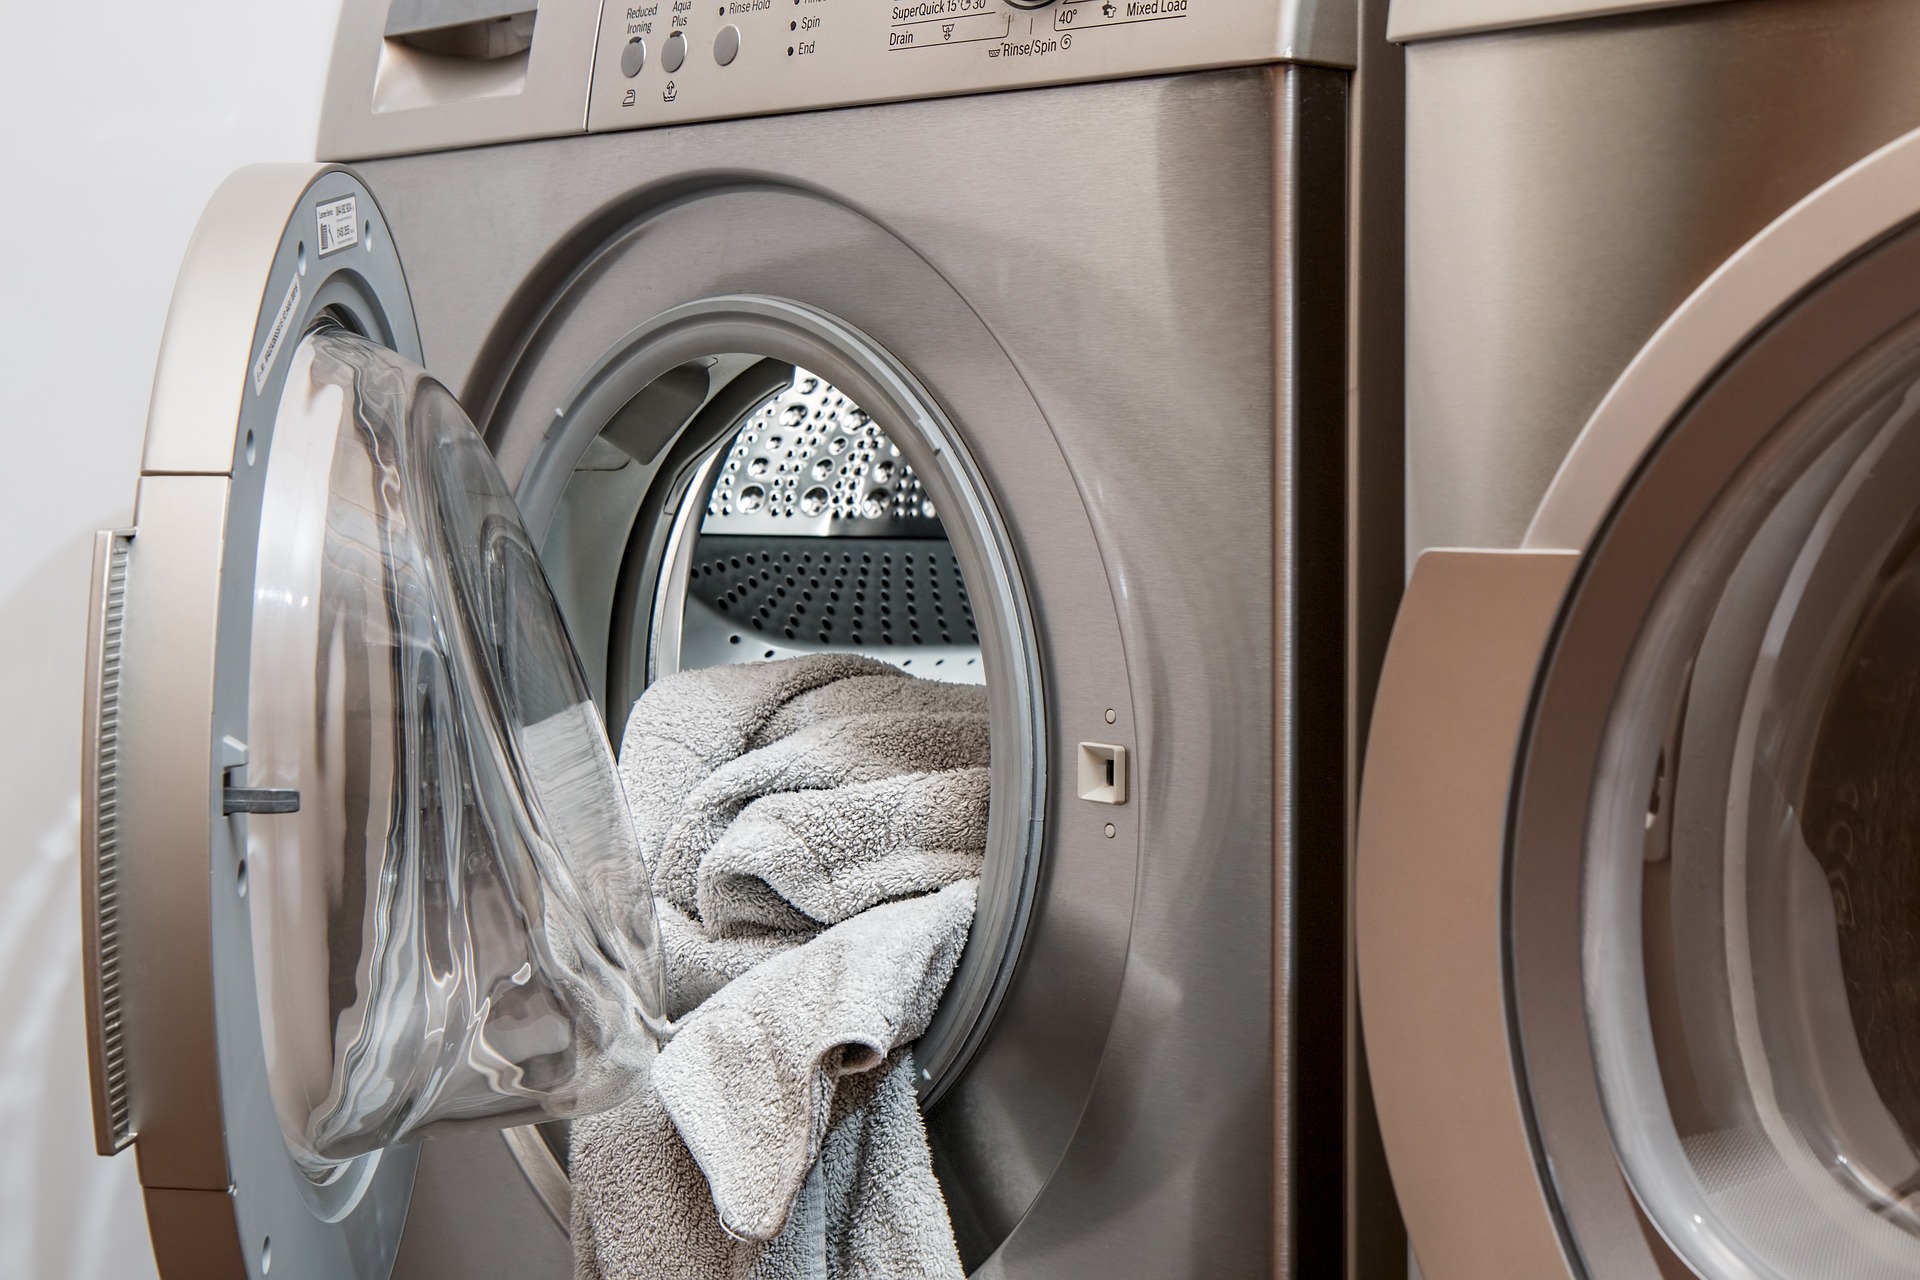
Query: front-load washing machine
1636,896
1073,392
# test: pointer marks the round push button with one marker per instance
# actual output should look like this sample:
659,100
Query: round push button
633,57
726,45
674,52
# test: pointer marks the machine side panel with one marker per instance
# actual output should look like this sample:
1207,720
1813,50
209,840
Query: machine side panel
1426,19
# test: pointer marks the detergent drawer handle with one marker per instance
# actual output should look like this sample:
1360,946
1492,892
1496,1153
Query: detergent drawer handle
100,841
259,800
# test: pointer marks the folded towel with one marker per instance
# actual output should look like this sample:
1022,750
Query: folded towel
815,828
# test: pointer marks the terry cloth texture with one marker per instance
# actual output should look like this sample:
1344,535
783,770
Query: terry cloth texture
815,829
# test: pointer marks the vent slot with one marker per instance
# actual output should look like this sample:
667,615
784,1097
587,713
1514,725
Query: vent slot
100,843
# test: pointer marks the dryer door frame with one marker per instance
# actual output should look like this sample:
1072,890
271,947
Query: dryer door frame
1494,1124
174,1025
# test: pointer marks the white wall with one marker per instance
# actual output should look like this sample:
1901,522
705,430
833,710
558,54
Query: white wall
115,124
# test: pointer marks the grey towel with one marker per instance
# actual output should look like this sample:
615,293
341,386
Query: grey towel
782,1138
814,827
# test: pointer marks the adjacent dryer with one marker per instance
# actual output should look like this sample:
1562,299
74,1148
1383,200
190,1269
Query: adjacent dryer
1636,892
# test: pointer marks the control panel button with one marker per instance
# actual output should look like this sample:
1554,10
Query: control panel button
726,45
674,53
633,57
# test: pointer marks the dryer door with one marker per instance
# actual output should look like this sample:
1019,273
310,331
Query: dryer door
1640,849
359,864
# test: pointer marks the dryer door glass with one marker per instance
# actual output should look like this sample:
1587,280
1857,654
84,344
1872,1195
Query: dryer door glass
455,925
1757,830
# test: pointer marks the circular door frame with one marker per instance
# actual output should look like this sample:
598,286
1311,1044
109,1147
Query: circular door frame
1479,1048
807,337
773,241
178,1059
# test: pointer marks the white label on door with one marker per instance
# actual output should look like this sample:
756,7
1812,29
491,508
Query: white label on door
339,224
282,320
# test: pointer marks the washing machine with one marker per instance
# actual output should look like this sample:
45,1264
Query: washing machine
1635,887
1018,343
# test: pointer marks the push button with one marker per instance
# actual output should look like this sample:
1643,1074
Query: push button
726,45
674,53
633,57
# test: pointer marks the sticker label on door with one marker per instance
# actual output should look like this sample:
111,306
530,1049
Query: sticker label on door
282,321
339,222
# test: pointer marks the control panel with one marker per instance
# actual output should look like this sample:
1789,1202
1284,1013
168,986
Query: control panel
666,61
421,75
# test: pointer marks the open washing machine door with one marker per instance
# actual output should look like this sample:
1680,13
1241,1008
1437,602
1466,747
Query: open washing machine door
1639,915
359,867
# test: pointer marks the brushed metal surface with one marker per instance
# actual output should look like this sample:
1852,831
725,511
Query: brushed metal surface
1427,19
1848,214
1569,186
1118,1119
453,102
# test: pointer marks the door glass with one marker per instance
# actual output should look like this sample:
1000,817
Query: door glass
455,926
1771,1126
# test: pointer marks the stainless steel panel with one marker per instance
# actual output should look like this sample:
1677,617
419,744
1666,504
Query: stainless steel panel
1426,19
1569,186
385,96
1118,351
